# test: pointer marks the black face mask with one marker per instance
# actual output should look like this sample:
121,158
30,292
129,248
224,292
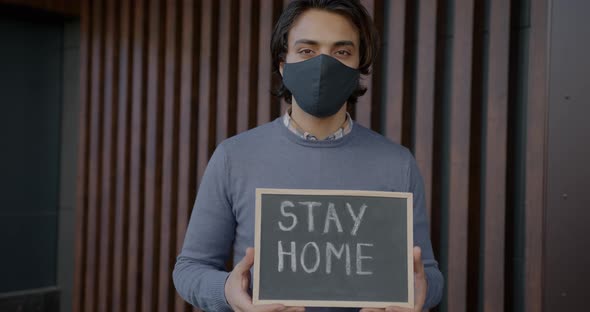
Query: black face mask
320,85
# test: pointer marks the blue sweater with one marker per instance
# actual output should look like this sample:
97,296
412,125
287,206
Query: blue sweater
271,156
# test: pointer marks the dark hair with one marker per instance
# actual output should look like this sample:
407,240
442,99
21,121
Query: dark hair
351,9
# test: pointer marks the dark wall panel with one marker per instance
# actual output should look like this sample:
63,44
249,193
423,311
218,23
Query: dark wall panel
63,7
31,58
568,151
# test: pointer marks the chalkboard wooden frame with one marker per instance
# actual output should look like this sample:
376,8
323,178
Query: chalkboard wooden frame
331,303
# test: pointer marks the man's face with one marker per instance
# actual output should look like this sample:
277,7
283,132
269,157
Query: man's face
318,32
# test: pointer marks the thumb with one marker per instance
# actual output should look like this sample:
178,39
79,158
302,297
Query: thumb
246,263
418,266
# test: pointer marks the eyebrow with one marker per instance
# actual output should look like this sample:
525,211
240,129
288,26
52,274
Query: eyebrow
305,41
344,43
313,42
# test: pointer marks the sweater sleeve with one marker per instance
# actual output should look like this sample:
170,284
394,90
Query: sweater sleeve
434,277
199,274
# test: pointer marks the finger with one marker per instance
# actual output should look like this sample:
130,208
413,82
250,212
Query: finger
246,263
267,308
418,266
243,300
398,309
245,280
372,310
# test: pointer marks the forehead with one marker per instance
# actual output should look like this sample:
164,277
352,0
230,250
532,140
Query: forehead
322,26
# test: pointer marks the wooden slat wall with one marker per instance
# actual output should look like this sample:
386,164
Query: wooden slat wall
424,90
394,44
536,156
83,147
459,152
121,235
163,82
494,193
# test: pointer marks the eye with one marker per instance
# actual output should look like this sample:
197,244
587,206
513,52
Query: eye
306,51
343,53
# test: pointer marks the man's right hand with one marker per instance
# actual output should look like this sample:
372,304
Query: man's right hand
236,289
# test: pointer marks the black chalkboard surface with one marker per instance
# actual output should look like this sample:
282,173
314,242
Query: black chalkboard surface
333,248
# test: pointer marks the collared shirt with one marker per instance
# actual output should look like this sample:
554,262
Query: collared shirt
345,129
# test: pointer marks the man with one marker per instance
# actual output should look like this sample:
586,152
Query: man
320,48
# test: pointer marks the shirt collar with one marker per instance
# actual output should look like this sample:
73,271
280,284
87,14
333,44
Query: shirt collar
345,129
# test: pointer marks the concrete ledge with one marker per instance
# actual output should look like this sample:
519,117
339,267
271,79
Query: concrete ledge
37,300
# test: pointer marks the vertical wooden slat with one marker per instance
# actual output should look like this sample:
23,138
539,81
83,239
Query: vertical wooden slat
83,153
227,63
459,138
377,70
393,87
94,163
170,156
364,107
187,123
247,60
207,84
119,286
284,104
223,76
108,156
494,209
424,107
153,158
267,11
136,178
536,161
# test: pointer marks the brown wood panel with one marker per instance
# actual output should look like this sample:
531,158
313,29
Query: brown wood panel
393,86
364,107
207,84
109,126
247,60
536,157
136,176
170,155
494,209
459,138
265,101
187,123
284,106
153,157
424,106
227,63
83,151
94,161
377,70
119,282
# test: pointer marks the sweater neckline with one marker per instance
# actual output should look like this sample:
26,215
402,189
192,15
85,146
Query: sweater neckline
278,122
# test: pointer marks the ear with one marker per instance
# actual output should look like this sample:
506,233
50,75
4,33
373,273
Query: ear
281,67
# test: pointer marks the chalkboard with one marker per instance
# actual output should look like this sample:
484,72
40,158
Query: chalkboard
333,248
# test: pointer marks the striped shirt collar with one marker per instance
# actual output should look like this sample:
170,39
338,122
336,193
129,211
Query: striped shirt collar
345,129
